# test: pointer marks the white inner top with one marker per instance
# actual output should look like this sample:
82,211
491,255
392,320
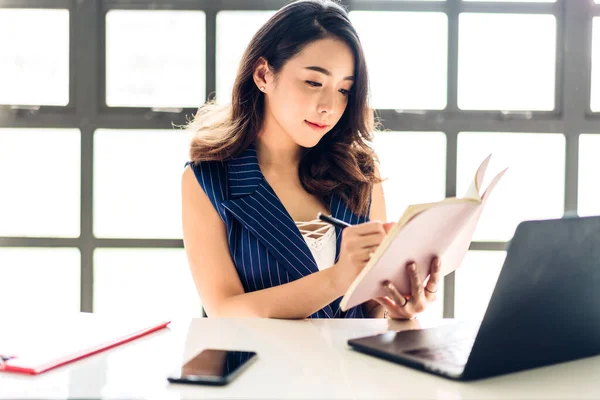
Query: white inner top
321,240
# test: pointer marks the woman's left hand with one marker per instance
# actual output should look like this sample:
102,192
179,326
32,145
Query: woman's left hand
407,307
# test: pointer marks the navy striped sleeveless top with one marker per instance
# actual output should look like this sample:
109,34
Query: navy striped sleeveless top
265,244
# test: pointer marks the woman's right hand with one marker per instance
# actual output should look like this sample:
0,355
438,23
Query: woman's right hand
358,244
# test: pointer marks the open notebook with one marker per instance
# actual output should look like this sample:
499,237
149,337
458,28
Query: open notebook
444,228
32,344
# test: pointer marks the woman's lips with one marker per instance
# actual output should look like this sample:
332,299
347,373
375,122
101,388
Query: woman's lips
315,125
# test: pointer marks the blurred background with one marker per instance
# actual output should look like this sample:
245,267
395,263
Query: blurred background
91,160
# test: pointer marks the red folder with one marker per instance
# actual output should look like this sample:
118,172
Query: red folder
36,345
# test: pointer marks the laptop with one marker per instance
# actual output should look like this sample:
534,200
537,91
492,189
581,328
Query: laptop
545,309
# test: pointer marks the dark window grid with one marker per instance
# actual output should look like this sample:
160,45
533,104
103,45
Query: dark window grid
87,78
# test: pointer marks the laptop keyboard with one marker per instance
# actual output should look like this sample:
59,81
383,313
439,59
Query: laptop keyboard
455,353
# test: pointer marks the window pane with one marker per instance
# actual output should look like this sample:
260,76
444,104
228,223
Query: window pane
595,90
506,69
588,199
532,188
155,58
137,182
402,75
40,180
414,164
475,282
153,282
519,1
34,58
44,280
234,31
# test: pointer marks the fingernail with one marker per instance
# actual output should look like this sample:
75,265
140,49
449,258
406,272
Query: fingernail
438,262
412,267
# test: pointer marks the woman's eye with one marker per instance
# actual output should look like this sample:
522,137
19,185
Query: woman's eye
344,92
313,84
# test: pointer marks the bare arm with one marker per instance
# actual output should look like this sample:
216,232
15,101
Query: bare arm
217,280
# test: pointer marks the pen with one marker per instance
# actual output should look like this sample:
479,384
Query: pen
333,221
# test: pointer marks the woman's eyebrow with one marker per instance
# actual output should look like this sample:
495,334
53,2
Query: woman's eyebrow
327,72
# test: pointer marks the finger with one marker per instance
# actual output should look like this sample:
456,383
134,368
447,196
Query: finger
394,310
380,299
388,226
431,297
389,305
434,278
386,301
435,274
372,240
395,295
416,287
368,228
365,254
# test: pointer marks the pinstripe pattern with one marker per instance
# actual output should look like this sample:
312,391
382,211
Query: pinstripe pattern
266,246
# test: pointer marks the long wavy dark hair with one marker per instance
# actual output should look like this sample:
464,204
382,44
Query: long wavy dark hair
343,161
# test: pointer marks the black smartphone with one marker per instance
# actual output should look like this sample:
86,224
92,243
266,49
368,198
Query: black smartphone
213,367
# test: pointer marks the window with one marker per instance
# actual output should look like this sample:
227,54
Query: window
595,90
506,69
475,282
519,1
137,182
402,75
40,180
34,63
234,31
87,184
413,165
589,164
45,280
150,282
155,58
532,188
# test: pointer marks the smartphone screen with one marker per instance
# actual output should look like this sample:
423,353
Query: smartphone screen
213,367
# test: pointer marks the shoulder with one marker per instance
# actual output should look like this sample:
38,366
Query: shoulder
211,177
209,174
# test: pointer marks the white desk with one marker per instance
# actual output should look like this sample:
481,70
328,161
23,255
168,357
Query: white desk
296,359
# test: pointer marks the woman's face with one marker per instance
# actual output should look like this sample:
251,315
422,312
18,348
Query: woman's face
311,91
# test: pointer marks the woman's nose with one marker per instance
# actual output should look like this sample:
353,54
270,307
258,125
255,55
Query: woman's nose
327,104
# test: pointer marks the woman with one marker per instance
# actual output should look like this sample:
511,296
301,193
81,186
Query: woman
293,143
